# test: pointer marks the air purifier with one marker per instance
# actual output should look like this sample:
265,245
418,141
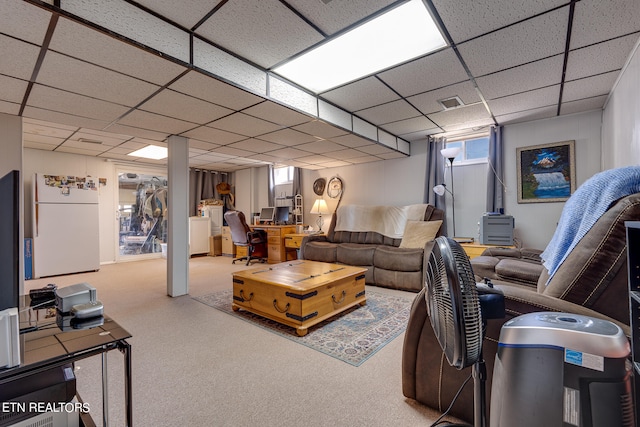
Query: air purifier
559,369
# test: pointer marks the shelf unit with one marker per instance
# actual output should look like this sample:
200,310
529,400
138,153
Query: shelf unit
298,209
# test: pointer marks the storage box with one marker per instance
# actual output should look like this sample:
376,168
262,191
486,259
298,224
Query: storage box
215,245
228,248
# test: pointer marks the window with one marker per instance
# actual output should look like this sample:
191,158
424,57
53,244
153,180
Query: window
282,175
474,150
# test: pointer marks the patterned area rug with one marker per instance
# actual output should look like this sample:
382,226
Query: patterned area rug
352,336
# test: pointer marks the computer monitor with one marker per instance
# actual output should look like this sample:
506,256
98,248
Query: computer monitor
266,214
282,215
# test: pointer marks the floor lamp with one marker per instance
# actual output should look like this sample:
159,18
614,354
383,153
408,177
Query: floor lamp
450,153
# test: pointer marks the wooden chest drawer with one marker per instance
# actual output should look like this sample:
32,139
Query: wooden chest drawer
273,232
293,240
273,240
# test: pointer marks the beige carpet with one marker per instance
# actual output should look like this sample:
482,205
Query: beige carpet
194,366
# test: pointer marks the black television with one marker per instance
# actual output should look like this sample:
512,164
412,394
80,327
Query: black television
282,215
10,240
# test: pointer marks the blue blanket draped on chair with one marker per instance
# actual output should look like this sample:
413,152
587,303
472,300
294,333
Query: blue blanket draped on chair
589,202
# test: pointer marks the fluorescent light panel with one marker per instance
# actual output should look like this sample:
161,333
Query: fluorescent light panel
150,152
403,33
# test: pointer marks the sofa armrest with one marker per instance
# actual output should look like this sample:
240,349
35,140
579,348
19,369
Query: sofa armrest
310,238
429,379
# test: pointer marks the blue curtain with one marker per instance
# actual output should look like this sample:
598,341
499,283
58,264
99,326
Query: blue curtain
495,172
435,175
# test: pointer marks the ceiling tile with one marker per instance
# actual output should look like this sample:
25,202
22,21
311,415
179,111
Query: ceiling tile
87,146
155,122
209,89
277,113
409,126
155,135
589,86
235,152
460,115
595,103
76,150
13,16
109,140
185,16
37,145
534,75
180,106
42,139
80,77
347,154
544,97
244,125
255,145
595,20
320,146
23,58
374,149
465,19
288,137
428,102
82,42
351,140
361,94
259,31
527,115
390,112
529,41
204,145
600,58
364,159
9,108
320,129
332,17
216,136
66,102
430,72
12,89
289,153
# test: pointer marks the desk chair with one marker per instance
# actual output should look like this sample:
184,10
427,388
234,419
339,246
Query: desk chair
242,235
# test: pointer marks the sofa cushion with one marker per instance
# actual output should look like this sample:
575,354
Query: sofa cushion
320,251
355,254
398,259
418,233
403,280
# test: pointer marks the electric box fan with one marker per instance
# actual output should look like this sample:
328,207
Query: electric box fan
457,313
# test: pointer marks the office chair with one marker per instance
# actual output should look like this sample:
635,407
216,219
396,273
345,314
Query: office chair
242,235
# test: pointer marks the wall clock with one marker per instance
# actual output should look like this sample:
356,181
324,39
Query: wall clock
334,188
318,186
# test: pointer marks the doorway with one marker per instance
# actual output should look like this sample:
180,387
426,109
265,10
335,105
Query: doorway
142,214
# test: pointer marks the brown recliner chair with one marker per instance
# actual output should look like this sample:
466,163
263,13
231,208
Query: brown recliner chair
242,235
591,281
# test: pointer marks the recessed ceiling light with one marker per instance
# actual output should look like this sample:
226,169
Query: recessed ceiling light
150,152
403,33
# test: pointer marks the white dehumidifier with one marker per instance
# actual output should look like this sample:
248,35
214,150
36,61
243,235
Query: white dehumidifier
560,369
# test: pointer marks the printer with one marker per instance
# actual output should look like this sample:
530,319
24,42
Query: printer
496,229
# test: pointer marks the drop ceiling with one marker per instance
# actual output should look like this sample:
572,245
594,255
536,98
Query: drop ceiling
106,78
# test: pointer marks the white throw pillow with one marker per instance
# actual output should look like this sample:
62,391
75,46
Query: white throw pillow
418,233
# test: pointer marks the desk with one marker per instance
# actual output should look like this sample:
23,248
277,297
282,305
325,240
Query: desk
277,251
48,347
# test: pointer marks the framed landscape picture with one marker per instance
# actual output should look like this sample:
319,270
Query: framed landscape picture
546,173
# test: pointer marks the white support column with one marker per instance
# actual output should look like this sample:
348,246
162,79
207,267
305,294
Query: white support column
178,233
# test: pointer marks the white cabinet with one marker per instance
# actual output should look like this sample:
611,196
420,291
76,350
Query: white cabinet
199,232
214,213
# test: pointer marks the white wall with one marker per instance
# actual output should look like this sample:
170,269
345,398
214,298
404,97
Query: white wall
536,222
621,118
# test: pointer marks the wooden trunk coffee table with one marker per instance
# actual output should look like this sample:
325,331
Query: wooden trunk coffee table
299,293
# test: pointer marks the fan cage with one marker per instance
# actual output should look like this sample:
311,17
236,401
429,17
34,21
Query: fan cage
453,304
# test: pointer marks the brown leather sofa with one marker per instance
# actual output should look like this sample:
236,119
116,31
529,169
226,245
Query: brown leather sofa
591,281
388,265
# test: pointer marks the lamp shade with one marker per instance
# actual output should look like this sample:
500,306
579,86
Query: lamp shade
319,207
450,152
439,190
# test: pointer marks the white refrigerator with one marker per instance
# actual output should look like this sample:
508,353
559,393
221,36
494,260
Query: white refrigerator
65,225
